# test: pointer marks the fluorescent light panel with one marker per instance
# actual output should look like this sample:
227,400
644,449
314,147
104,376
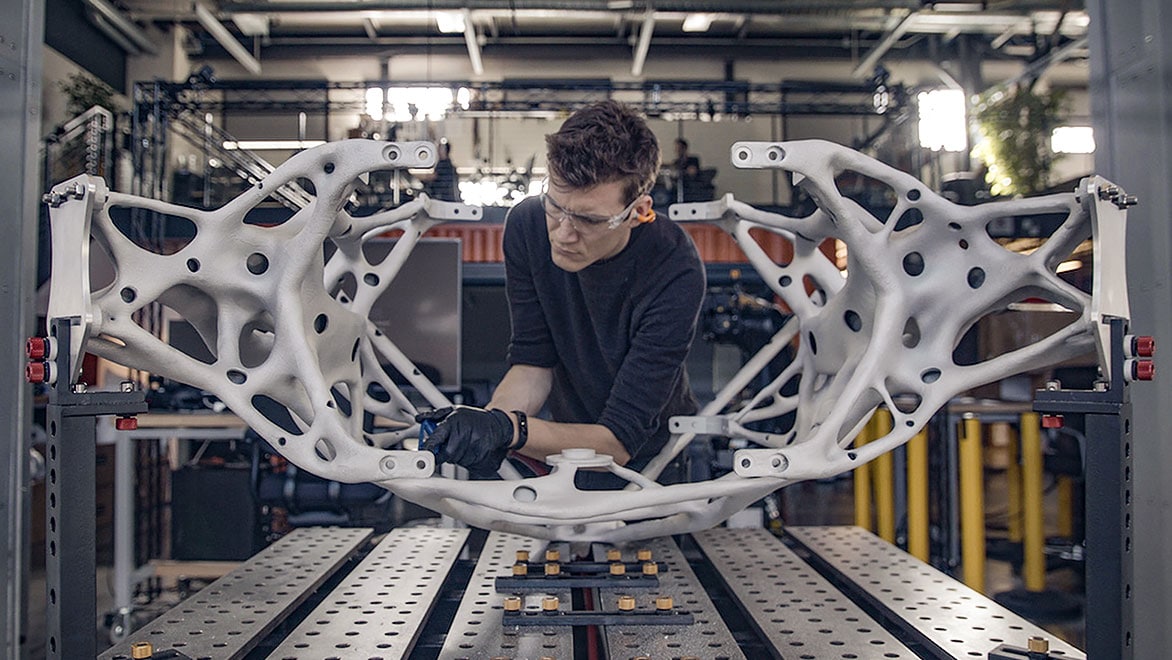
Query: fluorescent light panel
449,22
1073,140
697,22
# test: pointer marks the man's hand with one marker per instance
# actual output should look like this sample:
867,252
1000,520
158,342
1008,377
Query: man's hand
475,438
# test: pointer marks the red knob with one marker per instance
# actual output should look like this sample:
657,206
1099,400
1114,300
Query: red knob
1052,421
126,423
36,348
1144,370
34,372
1144,346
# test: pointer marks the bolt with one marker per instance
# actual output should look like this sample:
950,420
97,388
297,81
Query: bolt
1052,421
618,568
141,650
650,568
552,555
1053,385
513,604
520,570
1141,346
79,189
614,554
522,555
34,372
1100,386
126,423
1144,370
553,568
643,554
79,388
1038,645
127,386
36,348
388,464
549,604
626,603
663,604
1126,201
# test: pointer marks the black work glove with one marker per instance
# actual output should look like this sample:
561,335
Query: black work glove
475,438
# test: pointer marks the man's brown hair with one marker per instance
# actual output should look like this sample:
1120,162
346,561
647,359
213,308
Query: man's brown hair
604,142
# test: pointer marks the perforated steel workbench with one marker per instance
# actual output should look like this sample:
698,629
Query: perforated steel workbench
431,593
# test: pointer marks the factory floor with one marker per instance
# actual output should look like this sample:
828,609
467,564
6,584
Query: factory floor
829,502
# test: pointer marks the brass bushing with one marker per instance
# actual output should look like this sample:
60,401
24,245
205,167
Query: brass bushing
549,603
141,650
614,554
618,568
553,555
520,570
1038,645
650,568
643,554
553,568
513,604
522,555
626,603
663,603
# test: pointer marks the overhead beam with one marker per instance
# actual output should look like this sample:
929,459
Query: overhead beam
371,28
473,44
894,33
222,35
122,24
644,44
1038,67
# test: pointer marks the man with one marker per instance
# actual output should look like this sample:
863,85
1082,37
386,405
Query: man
603,304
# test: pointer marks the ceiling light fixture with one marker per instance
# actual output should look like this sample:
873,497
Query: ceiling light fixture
450,22
697,22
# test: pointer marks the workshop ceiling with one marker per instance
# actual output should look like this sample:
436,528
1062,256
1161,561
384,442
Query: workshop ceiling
273,29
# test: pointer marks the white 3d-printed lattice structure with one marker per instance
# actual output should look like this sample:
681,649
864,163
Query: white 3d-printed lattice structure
297,358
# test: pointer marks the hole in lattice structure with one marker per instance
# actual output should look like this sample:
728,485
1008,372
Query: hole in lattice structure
813,343
777,246
1034,316
306,185
964,245
102,269
859,410
320,323
877,197
955,226
814,290
930,375
785,280
911,333
377,392
775,154
341,394
906,402
852,320
909,218
257,338
127,294
1024,233
743,155
524,494
274,211
277,413
236,376
345,287
193,265
325,450
913,264
354,349
913,194
371,279
257,263
145,228
197,337
328,168
976,277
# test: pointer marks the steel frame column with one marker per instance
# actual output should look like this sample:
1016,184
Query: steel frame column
1131,102
21,36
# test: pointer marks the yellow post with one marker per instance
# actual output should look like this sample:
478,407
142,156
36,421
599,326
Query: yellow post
884,481
1066,506
863,484
1034,559
1013,475
917,496
972,505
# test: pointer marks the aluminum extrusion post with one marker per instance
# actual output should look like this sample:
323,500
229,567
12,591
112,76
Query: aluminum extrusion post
917,497
70,552
972,503
1033,523
863,485
884,481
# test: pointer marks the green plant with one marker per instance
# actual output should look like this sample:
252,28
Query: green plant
1015,128
84,91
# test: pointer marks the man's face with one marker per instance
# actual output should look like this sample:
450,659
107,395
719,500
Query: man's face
576,237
